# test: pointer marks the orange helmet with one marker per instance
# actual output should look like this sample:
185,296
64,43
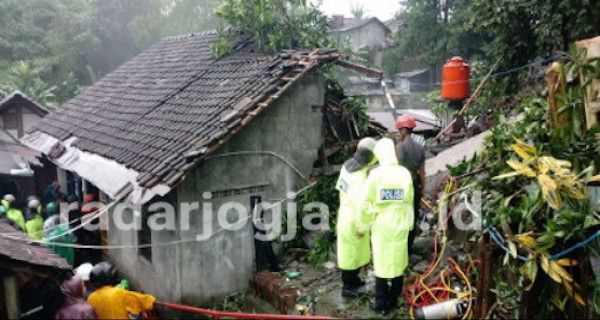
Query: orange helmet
406,121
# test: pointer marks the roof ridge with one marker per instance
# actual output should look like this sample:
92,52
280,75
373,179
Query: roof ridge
192,34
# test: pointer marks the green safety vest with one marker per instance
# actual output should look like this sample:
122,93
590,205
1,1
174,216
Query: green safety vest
353,247
387,201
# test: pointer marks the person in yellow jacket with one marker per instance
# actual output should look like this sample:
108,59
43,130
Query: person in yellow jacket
353,245
34,221
13,214
113,302
387,200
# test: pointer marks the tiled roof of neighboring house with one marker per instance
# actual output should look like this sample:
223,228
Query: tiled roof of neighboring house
15,246
19,97
165,109
355,24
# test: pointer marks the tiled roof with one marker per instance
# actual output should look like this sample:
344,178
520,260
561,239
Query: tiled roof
16,246
19,97
159,113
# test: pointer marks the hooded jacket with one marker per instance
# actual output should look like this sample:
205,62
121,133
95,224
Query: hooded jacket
14,214
353,247
75,306
34,223
387,204
118,303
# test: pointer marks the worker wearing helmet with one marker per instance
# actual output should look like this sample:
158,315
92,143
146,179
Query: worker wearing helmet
387,200
411,155
353,245
113,302
13,214
34,222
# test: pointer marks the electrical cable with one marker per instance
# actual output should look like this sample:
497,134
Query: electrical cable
270,153
551,58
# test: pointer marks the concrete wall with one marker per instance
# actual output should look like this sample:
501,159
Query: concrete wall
196,272
369,35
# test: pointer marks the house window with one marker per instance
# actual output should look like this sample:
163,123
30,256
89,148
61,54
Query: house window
145,237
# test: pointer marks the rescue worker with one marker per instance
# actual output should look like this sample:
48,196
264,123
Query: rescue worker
52,192
13,214
54,232
112,302
75,305
52,218
34,222
353,244
411,155
387,200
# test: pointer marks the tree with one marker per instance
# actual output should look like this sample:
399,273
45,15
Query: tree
274,24
358,11
26,78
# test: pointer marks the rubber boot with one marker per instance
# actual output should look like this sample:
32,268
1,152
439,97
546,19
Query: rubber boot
349,289
395,292
382,292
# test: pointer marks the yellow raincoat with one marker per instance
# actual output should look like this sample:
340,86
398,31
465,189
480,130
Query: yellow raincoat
14,214
34,227
353,248
118,303
387,200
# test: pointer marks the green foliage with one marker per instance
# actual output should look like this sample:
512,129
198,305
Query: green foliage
321,252
73,42
233,303
519,203
277,24
27,78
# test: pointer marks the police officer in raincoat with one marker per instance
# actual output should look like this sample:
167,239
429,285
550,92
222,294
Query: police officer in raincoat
387,200
353,243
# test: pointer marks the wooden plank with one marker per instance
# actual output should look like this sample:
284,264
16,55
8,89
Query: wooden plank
592,97
11,297
370,72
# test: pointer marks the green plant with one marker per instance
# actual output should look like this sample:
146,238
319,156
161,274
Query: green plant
321,252
234,303
277,24
539,194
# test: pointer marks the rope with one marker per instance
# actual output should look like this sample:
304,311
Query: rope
149,245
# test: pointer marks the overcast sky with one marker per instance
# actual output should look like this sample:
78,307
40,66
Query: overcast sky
382,9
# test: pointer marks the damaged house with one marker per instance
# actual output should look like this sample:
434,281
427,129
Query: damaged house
23,172
175,123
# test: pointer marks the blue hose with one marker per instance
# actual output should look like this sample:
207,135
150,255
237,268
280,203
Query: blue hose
497,237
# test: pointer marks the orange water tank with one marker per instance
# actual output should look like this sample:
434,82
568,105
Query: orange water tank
455,79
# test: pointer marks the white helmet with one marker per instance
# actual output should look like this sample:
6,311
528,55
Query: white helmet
33,203
366,144
84,271
9,197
